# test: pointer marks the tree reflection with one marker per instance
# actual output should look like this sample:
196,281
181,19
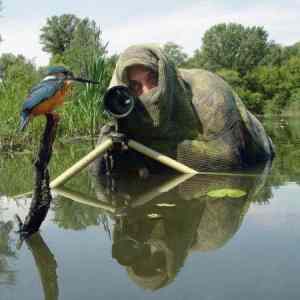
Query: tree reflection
7,276
285,133
76,216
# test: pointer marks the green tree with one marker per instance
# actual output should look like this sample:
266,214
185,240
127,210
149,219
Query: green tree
86,56
16,69
233,46
175,53
278,55
86,42
293,50
291,73
58,32
231,76
196,61
83,52
18,76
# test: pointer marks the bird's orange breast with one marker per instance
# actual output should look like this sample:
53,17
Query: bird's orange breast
50,104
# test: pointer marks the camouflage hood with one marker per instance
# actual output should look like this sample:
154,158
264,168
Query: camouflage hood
158,111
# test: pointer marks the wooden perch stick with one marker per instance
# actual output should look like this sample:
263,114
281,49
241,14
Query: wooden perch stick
41,198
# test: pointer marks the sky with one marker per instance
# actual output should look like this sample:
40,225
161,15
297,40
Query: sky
124,23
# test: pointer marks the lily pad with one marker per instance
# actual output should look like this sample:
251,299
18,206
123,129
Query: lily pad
221,193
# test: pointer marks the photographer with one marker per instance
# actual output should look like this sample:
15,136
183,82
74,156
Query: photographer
191,115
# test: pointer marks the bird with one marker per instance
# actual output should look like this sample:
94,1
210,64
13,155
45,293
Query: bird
48,94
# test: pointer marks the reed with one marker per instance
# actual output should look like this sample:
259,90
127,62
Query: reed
84,113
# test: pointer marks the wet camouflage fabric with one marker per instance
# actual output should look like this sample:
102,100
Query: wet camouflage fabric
193,115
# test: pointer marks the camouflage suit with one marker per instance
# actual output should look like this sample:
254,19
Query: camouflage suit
192,115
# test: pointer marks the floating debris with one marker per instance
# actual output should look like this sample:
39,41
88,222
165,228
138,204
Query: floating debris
154,216
165,204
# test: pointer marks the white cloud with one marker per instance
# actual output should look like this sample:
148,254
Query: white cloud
188,26
23,39
185,27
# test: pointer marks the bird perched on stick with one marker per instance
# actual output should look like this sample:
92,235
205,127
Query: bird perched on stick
48,94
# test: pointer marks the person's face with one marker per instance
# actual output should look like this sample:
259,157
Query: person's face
141,79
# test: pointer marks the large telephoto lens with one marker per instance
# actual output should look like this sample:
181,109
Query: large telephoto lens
118,101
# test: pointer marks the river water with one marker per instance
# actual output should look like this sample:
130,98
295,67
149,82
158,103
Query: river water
167,237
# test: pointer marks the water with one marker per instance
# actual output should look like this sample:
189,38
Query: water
156,239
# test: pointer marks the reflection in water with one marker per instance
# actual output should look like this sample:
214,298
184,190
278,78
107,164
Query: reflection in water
286,135
44,259
7,276
153,240
71,215
46,265
156,226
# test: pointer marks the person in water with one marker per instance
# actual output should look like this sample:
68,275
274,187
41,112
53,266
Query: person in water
192,115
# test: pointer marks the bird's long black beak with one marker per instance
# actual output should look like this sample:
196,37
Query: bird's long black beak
84,80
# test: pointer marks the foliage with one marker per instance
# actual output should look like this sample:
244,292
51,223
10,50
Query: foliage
196,61
233,46
86,42
264,74
85,56
18,75
79,48
231,76
58,32
175,53
85,112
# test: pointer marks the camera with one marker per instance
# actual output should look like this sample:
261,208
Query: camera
118,101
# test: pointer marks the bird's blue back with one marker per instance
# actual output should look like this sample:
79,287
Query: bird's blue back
43,91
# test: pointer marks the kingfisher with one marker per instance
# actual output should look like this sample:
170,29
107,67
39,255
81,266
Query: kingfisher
49,94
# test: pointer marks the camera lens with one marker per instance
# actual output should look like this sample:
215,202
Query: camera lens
118,101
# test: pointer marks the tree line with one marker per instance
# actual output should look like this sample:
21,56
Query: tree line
264,74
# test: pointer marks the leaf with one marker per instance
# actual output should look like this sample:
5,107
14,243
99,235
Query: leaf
232,193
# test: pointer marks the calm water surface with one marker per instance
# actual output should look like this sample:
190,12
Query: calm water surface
206,237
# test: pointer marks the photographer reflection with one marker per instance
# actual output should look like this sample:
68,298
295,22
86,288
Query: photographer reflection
155,236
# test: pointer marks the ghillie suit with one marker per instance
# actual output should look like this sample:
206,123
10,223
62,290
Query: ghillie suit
192,115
